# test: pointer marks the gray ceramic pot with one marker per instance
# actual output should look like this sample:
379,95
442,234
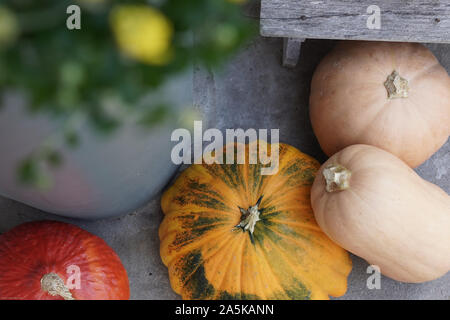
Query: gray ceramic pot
104,176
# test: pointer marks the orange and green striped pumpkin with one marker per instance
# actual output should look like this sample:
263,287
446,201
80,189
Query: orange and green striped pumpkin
212,254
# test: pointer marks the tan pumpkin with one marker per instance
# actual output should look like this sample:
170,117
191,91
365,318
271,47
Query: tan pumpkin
231,233
377,207
395,96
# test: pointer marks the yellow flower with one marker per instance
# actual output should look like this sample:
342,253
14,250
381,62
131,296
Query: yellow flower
142,33
9,27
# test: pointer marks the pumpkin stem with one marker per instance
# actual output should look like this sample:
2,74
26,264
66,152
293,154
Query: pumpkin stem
250,217
396,86
337,177
54,285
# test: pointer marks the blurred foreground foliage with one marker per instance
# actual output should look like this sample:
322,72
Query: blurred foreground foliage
124,50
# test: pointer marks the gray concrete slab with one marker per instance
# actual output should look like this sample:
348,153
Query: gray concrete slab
252,91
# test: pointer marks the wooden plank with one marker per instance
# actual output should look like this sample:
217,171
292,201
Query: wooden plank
401,20
291,51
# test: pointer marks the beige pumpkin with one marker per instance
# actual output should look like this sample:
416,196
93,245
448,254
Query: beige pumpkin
395,96
375,206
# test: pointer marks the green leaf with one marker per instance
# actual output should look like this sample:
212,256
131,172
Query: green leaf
30,173
72,139
155,116
28,170
53,158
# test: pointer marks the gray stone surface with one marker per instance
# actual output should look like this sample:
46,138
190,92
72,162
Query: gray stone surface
252,91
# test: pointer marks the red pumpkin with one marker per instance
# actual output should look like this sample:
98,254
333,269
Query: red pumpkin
49,260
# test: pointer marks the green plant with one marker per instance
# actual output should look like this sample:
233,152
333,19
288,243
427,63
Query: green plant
123,50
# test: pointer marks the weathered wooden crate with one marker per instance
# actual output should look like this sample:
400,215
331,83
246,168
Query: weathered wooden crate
399,20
